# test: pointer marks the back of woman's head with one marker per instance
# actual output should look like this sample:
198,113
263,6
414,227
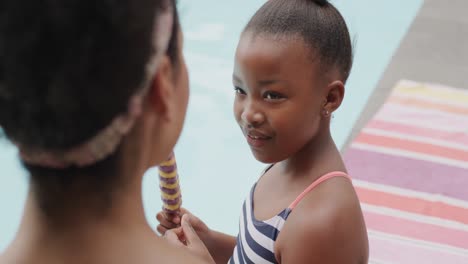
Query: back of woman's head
68,68
317,22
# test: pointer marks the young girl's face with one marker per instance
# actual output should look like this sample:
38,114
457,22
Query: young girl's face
279,95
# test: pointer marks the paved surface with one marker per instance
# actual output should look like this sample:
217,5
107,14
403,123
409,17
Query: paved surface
435,49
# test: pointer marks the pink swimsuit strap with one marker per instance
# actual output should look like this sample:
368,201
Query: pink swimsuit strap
316,183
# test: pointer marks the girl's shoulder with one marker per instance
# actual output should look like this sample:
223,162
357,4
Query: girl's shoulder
325,219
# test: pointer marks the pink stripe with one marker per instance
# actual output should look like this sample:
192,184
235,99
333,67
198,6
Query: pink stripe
417,131
416,230
315,183
394,251
407,173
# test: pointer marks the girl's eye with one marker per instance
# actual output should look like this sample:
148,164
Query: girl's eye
273,96
239,90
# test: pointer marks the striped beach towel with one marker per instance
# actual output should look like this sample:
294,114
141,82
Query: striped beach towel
410,168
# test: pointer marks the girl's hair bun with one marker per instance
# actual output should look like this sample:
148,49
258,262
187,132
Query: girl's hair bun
321,2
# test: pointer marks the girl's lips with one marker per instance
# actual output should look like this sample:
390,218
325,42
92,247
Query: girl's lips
256,140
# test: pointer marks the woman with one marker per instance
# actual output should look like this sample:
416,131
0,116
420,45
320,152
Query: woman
93,93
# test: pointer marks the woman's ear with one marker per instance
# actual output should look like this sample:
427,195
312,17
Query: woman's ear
334,96
162,89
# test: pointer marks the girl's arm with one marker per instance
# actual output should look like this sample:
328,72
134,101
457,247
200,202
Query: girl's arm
326,227
220,246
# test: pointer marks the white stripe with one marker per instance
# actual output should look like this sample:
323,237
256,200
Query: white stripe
429,99
377,261
252,255
240,258
242,253
404,112
408,83
431,220
427,140
260,238
411,193
235,255
276,221
410,154
423,123
418,243
239,245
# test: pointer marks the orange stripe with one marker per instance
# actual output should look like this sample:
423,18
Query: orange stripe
413,205
424,148
426,104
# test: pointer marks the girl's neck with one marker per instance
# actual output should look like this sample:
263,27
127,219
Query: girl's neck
316,158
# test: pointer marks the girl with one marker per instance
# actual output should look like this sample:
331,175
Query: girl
291,64
92,93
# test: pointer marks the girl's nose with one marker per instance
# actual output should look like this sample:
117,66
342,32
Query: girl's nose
252,117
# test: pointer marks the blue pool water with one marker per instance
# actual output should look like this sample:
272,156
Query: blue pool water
215,164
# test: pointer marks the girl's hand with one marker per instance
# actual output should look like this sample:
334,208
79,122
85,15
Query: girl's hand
186,236
219,245
168,222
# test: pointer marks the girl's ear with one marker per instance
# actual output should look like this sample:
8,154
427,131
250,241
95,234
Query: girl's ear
334,97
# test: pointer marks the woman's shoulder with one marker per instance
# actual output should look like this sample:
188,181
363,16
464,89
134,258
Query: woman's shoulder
150,253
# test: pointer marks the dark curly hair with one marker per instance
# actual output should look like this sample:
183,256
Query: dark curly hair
317,22
67,68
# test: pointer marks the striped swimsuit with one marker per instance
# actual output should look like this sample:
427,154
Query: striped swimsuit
256,239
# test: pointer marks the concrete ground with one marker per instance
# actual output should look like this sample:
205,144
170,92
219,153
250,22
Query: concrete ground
435,50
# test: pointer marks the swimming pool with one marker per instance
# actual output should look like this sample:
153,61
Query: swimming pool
214,186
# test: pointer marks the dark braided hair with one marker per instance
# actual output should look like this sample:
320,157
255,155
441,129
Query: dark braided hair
67,68
317,22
